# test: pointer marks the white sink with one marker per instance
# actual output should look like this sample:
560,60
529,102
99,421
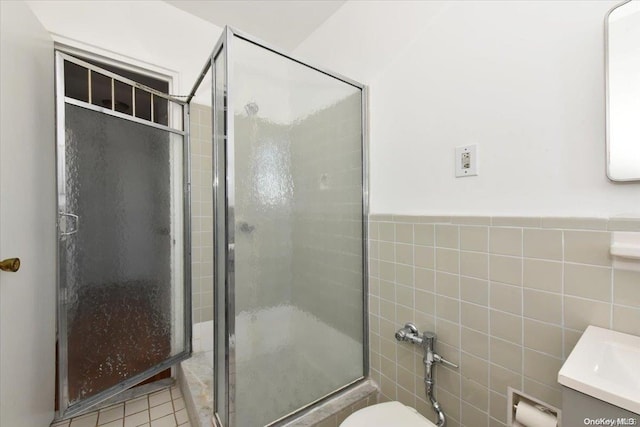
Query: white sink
606,365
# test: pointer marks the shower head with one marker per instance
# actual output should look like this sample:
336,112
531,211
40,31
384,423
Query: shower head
251,109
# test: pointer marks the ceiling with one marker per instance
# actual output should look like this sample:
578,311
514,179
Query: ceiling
282,23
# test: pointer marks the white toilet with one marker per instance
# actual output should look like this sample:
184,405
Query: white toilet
388,414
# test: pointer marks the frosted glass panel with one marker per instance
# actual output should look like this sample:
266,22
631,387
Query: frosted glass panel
122,269
297,222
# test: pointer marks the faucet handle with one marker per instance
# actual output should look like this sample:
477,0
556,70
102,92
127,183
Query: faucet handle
440,359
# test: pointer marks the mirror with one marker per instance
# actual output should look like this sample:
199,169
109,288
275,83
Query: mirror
622,32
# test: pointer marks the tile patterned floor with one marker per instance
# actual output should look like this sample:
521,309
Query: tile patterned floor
164,408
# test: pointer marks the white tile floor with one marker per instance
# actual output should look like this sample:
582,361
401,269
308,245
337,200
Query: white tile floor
164,408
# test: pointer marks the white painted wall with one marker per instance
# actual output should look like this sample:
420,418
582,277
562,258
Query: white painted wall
150,34
523,80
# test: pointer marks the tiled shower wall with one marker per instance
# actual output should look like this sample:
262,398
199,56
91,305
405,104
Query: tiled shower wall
507,297
201,213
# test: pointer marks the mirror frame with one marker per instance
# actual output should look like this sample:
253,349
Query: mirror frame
607,98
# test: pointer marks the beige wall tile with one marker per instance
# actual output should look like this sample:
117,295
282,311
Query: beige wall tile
406,357
474,238
505,326
587,247
425,321
424,234
502,378
624,224
380,217
474,316
542,275
516,221
405,295
474,290
404,274
448,332
374,268
450,405
580,313
626,287
388,368
387,332
497,409
388,310
404,253
541,367
373,230
506,298
626,319
505,241
386,231
425,279
447,260
447,284
404,314
471,220
407,379
541,243
474,342
387,290
424,256
406,397
519,341
425,302
574,223
472,416
474,264
406,218
387,271
404,233
543,306
446,378
448,308
388,357
543,337
475,394
505,269
386,251
447,236
587,281
388,387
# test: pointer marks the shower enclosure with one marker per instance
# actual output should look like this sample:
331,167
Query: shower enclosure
290,203
279,265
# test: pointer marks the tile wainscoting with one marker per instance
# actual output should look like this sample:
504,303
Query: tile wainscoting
507,296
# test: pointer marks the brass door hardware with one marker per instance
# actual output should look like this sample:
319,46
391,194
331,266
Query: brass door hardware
10,264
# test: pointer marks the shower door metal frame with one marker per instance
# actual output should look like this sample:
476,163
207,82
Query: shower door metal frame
224,225
65,410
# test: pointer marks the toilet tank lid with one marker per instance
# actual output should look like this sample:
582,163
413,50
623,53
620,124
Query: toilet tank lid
388,414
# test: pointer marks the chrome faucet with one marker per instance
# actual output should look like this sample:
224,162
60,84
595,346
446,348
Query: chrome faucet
411,334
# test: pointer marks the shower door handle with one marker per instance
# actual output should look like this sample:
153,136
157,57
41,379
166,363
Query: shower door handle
76,221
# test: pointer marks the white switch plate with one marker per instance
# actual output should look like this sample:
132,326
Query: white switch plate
467,161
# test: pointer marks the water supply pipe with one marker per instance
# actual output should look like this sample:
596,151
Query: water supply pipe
411,334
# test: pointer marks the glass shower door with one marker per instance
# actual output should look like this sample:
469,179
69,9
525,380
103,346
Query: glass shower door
124,312
293,219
